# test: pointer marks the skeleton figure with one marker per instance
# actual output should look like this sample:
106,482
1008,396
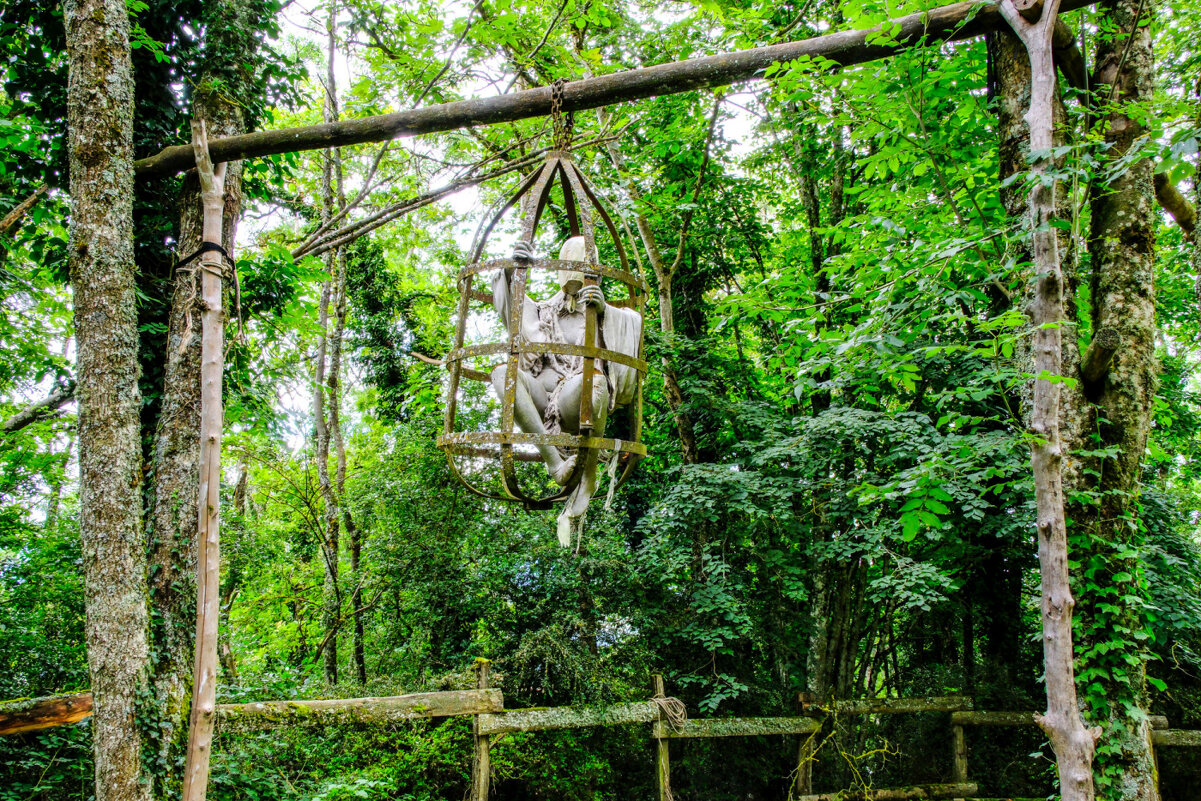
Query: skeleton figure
550,386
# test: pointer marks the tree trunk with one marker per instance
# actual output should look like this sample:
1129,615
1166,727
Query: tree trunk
212,419
1010,70
172,516
1073,744
1122,247
325,417
100,107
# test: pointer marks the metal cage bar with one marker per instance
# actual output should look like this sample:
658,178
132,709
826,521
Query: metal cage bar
580,202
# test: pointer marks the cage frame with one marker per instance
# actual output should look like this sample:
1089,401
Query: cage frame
579,200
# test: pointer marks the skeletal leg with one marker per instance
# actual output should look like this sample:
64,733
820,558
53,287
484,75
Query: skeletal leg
571,520
528,407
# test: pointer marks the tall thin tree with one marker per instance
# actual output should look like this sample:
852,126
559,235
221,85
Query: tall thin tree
100,110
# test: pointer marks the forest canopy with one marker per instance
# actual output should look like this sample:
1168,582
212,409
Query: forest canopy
837,500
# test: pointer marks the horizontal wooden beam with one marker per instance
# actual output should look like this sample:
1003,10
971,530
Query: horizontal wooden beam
269,714
737,727
566,717
31,714
956,790
58,710
1020,719
845,48
889,706
1170,738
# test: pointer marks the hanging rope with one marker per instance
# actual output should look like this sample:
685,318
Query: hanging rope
676,714
672,710
563,124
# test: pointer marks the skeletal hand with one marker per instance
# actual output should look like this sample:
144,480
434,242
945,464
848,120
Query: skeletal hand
592,296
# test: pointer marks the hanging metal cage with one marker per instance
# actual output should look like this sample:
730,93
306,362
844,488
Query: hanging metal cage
465,449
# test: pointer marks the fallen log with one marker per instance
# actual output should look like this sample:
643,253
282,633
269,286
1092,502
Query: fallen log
566,717
957,790
31,714
950,23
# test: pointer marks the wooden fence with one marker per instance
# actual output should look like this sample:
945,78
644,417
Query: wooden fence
485,705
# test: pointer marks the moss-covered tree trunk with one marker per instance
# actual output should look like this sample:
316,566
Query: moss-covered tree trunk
225,80
1107,531
100,107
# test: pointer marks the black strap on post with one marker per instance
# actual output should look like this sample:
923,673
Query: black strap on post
207,247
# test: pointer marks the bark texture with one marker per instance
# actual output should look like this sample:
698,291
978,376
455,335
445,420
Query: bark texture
172,516
212,419
100,140
1122,247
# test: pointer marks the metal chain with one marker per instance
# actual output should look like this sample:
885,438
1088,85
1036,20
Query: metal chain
561,124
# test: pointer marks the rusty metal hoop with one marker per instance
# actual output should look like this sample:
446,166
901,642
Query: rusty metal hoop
579,201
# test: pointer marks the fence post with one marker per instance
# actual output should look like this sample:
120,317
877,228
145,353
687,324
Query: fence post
958,754
662,754
804,769
481,765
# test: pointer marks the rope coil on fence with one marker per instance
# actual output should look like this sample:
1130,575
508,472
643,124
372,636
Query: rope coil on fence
672,710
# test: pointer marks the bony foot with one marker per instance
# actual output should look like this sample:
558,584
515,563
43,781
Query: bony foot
563,472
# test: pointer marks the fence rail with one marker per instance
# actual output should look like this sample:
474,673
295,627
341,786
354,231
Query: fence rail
485,705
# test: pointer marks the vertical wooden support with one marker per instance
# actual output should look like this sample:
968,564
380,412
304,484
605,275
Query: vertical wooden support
481,765
805,753
958,755
208,558
662,754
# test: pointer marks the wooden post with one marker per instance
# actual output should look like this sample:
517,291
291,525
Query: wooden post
481,765
662,752
808,749
1074,745
958,754
208,558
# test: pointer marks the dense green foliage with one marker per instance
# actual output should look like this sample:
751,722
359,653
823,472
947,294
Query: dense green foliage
848,344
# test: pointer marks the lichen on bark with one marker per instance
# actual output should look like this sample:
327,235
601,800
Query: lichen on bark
100,108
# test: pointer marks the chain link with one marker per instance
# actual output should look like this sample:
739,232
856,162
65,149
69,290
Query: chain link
562,124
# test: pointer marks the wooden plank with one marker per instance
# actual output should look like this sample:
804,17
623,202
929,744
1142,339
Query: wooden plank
957,790
738,727
958,755
891,706
31,714
1021,719
566,717
948,23
992,719
481,766
1176,738
662,748
268,714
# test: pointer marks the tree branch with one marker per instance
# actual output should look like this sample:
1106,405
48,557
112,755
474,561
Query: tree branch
13,217
948,23
40,410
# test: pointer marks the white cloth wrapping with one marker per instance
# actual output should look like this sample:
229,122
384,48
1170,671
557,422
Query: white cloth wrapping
620,330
